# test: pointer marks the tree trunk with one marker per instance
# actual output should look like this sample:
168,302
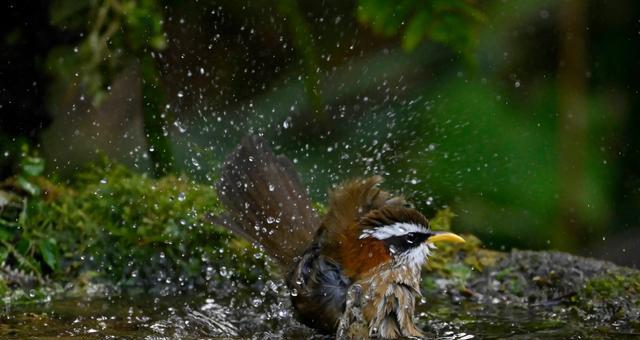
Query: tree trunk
573,123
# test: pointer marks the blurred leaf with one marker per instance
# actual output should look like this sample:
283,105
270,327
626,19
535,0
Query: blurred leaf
23,246
62,62
32,166
27,186
415,31
49,251
158,42
66,13
450,22
4,253
442,220
5,234
5,198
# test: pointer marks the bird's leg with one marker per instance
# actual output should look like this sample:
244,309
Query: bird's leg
352,323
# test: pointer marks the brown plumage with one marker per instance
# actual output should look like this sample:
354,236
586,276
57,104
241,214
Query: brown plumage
265,201
353,207
369,246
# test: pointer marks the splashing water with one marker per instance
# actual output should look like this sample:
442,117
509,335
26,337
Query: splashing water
265,314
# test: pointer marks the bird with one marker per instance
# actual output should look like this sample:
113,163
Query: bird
359,263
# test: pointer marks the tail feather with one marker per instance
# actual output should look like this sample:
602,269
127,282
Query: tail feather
265,200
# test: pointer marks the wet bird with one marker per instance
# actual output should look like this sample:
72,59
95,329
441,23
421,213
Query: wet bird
359,263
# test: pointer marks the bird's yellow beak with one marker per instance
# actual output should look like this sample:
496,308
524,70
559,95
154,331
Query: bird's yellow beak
445,237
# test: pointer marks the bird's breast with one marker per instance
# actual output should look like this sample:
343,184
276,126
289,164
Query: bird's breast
389,299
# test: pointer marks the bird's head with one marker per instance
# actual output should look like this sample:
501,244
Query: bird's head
404,233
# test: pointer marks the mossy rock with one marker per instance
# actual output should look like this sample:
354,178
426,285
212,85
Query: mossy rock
559,288
127,228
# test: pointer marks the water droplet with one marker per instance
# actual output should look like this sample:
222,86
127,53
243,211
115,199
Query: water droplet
181,196
180,127
195,163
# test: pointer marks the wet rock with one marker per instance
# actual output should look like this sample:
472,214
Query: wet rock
557,290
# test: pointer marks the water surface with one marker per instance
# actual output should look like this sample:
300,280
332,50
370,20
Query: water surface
265,314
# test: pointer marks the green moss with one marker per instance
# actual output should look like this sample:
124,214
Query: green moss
470,254
455,265
618,295
613,298
614,286
124,226
3,288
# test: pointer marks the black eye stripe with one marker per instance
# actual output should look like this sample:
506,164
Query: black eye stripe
405,242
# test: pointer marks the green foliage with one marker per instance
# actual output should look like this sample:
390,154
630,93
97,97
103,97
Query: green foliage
13,211
114,32
495,160
483,143
125,226
442,219
30,168
449,22
117,34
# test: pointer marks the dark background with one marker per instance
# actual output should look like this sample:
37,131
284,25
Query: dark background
519,115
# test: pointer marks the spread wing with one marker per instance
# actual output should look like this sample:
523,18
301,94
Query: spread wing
349,203
354,199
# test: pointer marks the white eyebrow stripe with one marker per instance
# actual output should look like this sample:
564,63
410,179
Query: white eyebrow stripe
391,230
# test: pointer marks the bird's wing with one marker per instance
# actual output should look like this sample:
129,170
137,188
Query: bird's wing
348,203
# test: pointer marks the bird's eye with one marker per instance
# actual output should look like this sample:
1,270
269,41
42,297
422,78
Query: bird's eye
408,205
415,238
403,243
412,238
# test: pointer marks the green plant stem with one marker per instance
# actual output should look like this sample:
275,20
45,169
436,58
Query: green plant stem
23,260
155,123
